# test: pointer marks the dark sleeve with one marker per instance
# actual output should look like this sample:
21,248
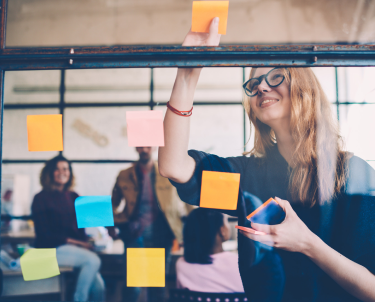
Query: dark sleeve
116,195
48,234
190,191
358,230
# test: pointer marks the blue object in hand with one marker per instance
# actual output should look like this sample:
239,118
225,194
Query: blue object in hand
268,213
94,211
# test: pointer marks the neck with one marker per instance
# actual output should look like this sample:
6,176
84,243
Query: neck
146,165
285,142
58,187
218,248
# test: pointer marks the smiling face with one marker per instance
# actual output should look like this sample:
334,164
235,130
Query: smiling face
61,175
272,105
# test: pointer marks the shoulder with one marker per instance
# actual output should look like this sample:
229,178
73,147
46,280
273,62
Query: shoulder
40,199
226,256
181,263
126,173
73,194
361,177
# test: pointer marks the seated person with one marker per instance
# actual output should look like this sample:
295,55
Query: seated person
205,266
56,227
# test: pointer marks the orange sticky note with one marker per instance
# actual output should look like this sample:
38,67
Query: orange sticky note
145,128
205,11
44,132
145,267
219,190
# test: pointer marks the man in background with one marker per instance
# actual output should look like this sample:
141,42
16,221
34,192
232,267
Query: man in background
151,217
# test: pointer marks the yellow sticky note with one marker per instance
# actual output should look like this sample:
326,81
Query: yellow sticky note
44,132
205,11
39,264
220,190
145,267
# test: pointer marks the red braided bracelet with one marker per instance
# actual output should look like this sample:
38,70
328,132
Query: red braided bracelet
180,113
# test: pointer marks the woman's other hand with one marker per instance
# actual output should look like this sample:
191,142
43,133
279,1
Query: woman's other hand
204,39
291,235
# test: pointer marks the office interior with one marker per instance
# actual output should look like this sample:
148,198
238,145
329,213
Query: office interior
94,102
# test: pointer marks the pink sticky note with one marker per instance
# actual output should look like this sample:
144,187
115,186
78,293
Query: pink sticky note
145,128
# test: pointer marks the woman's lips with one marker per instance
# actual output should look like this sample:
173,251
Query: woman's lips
267,103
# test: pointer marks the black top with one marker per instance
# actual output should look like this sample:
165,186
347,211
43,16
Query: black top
345,223
55,218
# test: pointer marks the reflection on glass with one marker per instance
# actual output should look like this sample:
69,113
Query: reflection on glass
97,133
32,86
215,84
15,134
107,85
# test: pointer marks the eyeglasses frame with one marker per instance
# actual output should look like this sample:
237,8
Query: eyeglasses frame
260,79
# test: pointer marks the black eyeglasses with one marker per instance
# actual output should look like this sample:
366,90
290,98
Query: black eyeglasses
273,78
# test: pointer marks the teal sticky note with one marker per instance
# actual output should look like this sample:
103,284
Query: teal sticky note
94,211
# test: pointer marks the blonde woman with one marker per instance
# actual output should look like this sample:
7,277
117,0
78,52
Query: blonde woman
324,250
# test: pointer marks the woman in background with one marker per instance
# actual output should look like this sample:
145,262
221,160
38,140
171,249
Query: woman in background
205,266
56,227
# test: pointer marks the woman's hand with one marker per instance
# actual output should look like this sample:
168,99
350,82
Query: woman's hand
204,39
84,244
291,235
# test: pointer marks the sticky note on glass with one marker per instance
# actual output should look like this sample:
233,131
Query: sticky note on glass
219,190
44,132
145,267
205,11
94,211
145,128
39,264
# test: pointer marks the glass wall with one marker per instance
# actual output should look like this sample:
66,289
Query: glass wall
95,102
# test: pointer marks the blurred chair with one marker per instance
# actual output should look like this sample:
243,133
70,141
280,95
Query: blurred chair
182,295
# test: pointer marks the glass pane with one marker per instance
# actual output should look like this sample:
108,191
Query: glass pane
356,84
327,79
70,22
107,85
34,86
357,127
15,134
28,176
215,84
96,179
97,133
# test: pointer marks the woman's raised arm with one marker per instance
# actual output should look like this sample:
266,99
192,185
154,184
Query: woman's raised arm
174,162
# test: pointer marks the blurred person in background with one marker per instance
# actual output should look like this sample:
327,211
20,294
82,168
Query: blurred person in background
206,267
151,217
55,224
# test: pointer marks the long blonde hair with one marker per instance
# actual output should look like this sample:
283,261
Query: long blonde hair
317,171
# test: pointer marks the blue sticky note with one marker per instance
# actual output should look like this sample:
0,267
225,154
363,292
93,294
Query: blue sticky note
94,211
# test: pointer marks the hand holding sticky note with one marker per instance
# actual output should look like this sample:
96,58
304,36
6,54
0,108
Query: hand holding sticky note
39,264
145,128
219,190
145,267
44,132
205,11
268,213
94,211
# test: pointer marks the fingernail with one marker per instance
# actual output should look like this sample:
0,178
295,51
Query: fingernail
216,20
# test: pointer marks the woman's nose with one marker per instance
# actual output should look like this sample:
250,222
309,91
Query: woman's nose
263,86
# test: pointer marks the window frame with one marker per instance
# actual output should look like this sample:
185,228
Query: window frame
159,56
